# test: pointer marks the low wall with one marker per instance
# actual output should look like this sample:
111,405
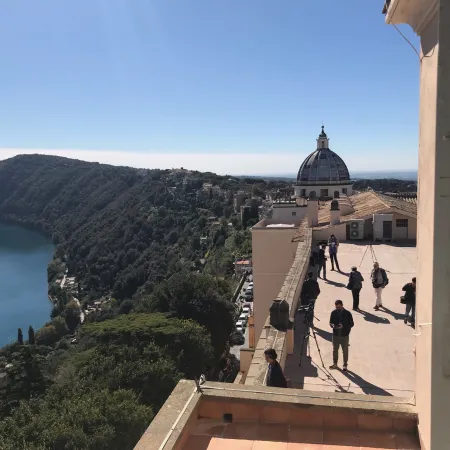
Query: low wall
282,341
238,289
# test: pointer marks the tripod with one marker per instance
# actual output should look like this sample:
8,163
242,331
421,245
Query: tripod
306,343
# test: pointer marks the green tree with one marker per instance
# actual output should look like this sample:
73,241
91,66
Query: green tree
52,332
198,297
72,315
184,341
87,419
31,339
20,336
125,307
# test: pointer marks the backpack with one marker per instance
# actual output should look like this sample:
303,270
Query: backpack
385,278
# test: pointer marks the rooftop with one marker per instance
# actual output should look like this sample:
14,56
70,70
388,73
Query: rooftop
223,416
273,223
374,362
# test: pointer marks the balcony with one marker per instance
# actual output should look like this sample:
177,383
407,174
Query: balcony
225,416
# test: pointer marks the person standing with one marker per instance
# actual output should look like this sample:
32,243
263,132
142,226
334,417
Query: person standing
310,290
355,280
275,376
341,321
322,262
410,301
333,244
379,282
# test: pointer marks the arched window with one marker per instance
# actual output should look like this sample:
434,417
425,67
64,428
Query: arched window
323,144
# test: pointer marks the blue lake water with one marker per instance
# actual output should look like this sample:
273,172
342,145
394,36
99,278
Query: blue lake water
24,256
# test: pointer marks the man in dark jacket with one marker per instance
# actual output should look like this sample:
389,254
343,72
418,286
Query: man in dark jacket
310,290
379,282
410,301
341,321
275,376
322,262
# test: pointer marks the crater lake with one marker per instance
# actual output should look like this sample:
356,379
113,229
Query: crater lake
24,257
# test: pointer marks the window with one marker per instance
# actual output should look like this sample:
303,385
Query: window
303,193
344,190
324,192
294,213
323,144
401,223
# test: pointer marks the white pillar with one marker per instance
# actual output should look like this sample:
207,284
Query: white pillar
335,217
313,212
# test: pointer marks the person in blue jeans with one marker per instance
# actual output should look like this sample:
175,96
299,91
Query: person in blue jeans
333,244
410,300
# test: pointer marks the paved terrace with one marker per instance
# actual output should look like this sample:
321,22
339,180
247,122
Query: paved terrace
381,354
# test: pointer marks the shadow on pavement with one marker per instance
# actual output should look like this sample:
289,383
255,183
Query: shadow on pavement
334,283
366,387
324,334
373,318
395,315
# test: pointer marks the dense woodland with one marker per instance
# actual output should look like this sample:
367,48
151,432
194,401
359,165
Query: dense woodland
160,252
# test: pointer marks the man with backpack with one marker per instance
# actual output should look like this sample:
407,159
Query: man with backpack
410,301
379,282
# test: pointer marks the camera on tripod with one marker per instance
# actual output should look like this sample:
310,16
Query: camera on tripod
308,311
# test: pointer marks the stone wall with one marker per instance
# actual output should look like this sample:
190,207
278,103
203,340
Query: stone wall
282,341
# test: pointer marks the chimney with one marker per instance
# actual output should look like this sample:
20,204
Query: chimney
335,213
313,210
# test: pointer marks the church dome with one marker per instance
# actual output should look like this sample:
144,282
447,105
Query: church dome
323,166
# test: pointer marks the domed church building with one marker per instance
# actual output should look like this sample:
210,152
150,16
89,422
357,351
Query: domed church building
323,173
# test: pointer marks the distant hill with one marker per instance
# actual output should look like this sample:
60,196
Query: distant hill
117,228
355,175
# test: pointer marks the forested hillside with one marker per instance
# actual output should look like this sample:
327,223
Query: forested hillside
150,243
117,228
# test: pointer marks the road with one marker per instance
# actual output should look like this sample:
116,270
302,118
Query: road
237,348
81,310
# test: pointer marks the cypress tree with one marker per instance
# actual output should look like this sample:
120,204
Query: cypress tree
31,335
20,336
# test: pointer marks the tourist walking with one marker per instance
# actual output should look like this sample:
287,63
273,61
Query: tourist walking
310,290
333,244
322,262
275,376
341,321
355,280
410,301
379,282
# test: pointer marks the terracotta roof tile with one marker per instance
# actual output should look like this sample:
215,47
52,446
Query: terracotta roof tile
365,205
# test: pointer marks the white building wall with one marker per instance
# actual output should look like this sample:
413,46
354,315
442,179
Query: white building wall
288,212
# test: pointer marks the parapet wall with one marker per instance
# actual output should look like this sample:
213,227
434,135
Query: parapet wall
282,341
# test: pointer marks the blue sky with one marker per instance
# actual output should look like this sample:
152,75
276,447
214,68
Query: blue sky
224,85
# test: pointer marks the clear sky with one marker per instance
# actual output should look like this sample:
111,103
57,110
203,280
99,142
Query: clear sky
232,86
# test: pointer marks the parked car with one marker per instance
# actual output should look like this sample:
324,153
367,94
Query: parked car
239,323
238,338
246,310
250,285
241,331
243,317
